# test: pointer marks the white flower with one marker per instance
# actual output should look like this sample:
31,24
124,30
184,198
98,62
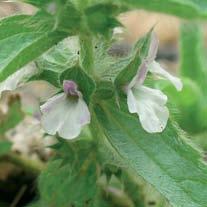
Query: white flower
18,78
65,113
150,103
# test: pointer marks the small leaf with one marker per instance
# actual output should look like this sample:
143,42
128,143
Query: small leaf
60,57
76,188
38,3
56,60
69,18
73,172
50,76
139,52
120,70
101,18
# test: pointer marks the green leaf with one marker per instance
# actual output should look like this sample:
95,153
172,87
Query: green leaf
66,15
121,70
38,3
85,83
13,116
165,160
74,187
68,18
73,172
181,8
105,90
5,147
22,40
101,18
50,76
104,64
60,57
56,60
139,52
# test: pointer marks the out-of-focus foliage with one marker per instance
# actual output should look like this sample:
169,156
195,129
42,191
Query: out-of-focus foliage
192,100
13,116
5,147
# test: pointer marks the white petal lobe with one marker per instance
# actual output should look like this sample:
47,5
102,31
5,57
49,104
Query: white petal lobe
64,116
158,70
150,107
131,102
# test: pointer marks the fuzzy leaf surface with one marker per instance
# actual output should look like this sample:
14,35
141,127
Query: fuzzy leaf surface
22,40
164,160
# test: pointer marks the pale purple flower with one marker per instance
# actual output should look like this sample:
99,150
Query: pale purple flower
66,113
150,103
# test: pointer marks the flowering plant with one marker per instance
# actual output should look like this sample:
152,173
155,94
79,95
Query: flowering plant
111,121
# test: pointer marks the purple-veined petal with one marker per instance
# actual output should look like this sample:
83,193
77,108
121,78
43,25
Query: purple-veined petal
142,74
152,53
65,116
144,67
156,69
149,104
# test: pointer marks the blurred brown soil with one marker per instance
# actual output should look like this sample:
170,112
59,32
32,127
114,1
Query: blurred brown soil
140,22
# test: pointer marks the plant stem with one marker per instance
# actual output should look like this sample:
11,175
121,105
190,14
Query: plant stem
87,53
33,167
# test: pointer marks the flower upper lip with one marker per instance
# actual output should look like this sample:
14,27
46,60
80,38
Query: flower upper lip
149,103
150,65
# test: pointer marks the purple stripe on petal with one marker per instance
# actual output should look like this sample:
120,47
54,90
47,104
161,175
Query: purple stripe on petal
70,88
153,48
142,73
144,67
140,77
